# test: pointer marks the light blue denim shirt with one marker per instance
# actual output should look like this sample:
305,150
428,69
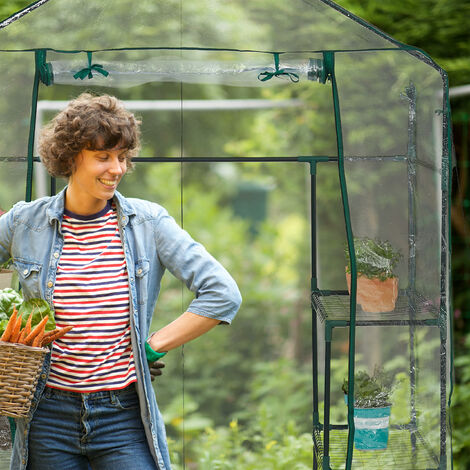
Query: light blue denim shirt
30,233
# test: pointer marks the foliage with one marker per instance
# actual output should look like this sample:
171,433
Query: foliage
371,391
6,264
374,258
266,433
432,25
461,411
10,299
8,7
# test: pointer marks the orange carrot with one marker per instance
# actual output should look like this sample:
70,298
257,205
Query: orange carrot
26,330
15,335
56,334
39,329
37,341
51,332
28,324
22,336
9,328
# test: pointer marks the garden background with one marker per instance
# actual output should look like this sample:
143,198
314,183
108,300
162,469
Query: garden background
232,418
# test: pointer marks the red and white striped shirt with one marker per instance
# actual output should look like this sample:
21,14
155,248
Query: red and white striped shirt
92,294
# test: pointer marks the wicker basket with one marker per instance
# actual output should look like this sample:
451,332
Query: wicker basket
20,366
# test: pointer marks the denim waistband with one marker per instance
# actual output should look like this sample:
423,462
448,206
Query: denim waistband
102,394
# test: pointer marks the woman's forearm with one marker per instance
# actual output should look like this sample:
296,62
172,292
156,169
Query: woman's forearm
186,327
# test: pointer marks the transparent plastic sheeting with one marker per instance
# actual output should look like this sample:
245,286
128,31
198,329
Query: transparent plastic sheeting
267,25
259,208
128,74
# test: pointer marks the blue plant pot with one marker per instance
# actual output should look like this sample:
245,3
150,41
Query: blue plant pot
371,428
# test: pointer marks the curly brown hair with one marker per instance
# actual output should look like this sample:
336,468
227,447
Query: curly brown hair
88,122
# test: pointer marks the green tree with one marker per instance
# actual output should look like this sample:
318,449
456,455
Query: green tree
435,26
8,7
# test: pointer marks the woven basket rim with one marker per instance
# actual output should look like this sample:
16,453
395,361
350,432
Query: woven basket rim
6,344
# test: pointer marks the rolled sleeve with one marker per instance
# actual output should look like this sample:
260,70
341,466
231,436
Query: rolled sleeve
216,293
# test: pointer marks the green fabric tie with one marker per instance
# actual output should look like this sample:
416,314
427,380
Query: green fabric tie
267,75
88,71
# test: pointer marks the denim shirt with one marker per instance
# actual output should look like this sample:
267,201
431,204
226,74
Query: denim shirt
30,233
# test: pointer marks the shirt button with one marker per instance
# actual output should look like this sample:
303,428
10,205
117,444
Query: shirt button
139,271
43,376
25,272
50,284
123,219
56,255
24,462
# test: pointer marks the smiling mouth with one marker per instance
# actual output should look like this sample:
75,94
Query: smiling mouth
110,183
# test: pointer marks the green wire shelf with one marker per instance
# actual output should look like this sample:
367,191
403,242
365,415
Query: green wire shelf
399,454
408,309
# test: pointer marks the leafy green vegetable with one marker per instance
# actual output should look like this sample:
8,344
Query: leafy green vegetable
10,298
40,309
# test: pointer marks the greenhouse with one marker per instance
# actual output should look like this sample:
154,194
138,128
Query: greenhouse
310,153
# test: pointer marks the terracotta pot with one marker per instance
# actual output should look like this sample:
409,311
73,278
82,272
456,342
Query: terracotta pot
5,278
374,295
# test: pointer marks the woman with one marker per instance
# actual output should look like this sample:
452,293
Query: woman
98,259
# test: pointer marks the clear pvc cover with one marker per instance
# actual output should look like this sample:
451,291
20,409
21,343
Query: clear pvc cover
189,71
252,113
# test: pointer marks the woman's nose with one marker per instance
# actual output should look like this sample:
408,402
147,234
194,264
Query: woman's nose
117,167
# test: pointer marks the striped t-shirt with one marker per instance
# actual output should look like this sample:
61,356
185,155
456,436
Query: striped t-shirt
92,294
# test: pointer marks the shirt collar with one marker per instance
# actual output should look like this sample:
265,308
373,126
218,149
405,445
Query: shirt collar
56,207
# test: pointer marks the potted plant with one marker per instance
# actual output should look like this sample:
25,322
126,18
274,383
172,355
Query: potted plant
377,285
371,408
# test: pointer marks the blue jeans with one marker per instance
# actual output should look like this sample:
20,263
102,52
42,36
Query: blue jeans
79,431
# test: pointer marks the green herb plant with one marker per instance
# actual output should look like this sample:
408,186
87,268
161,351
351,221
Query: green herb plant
374,258
371,391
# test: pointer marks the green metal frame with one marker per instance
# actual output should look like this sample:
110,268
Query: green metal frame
440,322
327,74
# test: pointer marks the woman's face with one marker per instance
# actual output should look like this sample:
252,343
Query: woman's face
95,178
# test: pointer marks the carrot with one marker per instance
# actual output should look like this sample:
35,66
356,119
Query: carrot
26,330
37,341
51,332
56,334
39,329
9,328
22,336
15,335
28,324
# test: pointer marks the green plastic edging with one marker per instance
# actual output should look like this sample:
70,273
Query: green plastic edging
447,114
39,56
329,60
